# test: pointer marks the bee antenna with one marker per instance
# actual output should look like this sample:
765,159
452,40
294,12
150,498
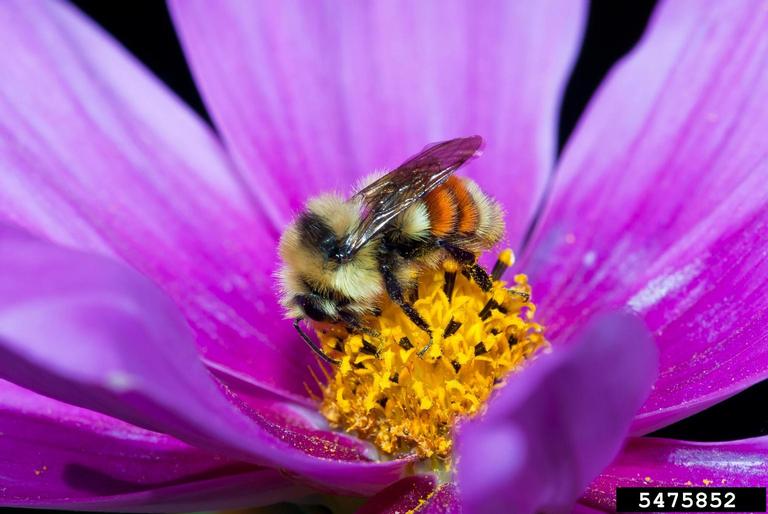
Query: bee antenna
318,351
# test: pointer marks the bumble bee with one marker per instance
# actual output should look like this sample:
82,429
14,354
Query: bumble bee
340,256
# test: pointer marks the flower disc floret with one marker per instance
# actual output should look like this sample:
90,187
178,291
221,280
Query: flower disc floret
385,392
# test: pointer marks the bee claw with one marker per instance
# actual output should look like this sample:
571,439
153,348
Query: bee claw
522,294
371,349
424,350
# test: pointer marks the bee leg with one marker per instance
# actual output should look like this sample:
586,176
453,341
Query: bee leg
468,261
370,332
395,292
427,346
462,256
481,277
318,351
353,322
522,294
412,294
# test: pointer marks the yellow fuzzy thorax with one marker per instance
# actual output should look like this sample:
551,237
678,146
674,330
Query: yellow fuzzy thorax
383,391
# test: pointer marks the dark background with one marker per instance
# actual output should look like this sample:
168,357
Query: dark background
145,28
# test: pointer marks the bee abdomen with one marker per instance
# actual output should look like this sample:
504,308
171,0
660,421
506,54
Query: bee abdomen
452,210
458,209
469,215
443,211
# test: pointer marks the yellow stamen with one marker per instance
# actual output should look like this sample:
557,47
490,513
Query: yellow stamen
404,403
507,257
505,260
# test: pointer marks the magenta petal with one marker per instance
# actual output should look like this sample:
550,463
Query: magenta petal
402,496
445,501
583,509
88,331
95,153
556,424
419,494
714,343
309,96
659,204
251,489
55,455
651,462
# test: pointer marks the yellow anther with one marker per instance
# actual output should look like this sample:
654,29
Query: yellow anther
403,402
505,260
450,266
507,257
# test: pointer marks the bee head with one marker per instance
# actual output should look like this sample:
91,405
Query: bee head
314,307
318,277
319,235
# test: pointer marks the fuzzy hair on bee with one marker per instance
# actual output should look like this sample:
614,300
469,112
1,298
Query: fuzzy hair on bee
313,283
341,256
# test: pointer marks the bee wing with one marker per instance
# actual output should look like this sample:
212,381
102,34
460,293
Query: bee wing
387,197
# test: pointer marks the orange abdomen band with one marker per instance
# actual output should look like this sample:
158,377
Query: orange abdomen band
442,208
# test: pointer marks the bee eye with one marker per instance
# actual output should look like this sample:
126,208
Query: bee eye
316,234
329,246
310,304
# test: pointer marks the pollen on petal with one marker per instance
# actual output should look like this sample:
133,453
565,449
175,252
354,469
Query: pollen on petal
384,391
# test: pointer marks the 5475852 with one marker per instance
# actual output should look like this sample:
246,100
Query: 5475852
691,499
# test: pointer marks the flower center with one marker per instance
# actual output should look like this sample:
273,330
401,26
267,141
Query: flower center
385,392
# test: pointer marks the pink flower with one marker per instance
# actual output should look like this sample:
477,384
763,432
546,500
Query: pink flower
144,360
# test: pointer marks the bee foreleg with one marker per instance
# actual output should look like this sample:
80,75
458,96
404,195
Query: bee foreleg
318,351
395,292
353,322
